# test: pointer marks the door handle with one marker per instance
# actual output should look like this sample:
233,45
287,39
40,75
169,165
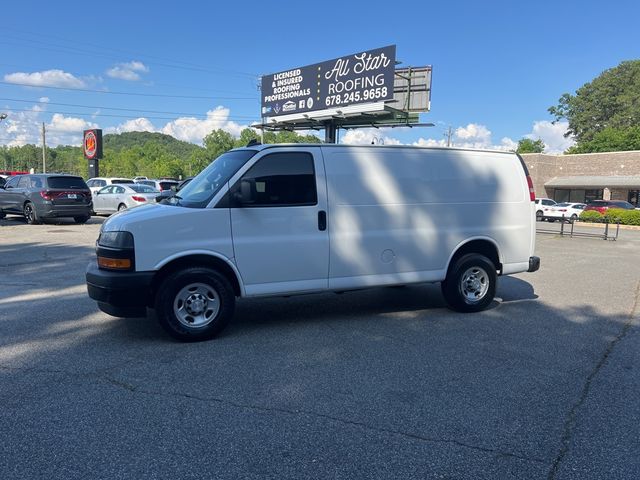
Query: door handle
322,220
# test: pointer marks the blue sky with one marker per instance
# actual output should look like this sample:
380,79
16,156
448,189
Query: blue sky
497,66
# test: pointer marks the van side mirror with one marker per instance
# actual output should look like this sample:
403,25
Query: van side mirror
245,195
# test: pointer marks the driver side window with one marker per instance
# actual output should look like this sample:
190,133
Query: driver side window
282,180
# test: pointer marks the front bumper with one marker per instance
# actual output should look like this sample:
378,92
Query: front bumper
121,294
534,264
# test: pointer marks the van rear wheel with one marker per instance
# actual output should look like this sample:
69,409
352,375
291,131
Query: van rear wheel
470,285
194,304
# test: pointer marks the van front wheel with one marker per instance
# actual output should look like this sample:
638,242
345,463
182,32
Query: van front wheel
194,304
470,285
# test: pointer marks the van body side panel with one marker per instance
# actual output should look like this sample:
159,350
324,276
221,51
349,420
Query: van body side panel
396,211
162,231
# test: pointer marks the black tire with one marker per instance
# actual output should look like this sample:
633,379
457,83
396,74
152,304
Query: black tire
122,207
181,296
82,219
573,218
551,220
30,214
2,214
539,215
470,273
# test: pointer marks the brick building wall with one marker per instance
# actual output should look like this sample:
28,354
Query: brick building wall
544,167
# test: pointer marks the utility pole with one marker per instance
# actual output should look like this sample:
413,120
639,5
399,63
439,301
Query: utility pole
259,87
448,135
2,117
44,151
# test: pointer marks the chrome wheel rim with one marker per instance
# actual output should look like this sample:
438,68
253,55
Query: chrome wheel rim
122,207
474,284
196,305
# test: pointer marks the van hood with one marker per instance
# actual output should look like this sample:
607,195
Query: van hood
128,220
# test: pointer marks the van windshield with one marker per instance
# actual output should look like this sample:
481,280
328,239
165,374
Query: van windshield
199,192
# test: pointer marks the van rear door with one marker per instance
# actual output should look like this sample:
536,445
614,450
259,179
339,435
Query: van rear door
280,239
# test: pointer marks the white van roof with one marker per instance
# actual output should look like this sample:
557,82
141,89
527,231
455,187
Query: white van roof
342,145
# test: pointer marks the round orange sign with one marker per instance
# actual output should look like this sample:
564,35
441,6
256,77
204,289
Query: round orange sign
90,144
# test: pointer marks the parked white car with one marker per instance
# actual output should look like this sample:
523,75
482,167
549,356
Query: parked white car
569,211
542,206
115,198
97,183
278,220
161,185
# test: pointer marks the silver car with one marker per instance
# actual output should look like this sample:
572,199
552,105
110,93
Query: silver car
114,198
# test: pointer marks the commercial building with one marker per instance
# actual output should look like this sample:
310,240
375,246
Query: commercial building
586,177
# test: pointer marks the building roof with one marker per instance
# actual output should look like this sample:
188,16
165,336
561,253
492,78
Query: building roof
587,181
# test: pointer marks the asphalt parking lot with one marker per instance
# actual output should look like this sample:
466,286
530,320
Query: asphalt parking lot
384,383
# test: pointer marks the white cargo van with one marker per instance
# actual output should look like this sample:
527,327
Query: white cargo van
277,220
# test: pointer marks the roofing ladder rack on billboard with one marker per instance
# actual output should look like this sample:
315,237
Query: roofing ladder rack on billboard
354,91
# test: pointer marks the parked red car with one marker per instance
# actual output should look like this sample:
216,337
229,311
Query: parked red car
603,205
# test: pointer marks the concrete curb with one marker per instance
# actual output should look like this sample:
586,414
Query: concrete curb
611,225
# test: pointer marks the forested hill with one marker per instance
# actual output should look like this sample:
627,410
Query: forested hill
127,140
140,153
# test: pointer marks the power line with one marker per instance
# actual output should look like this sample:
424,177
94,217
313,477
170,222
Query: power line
147,84
114,108
109,92
127,52
99,114
42,45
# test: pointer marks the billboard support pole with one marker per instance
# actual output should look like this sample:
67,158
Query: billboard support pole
330,129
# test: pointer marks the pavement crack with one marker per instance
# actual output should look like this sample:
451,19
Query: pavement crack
345,421
572,415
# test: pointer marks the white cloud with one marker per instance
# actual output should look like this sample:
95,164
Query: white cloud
47,78
136,125
43,99
66,130
552,135
479,136
128,71
367,136
61,124
24,127
430,142
474,133
191,129
21,128
508,144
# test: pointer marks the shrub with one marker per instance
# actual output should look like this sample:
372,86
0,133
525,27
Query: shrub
612,215
591,216
625,217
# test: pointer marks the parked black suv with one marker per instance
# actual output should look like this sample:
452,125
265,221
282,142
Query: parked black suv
43,196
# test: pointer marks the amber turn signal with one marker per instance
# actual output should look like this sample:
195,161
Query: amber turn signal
114,263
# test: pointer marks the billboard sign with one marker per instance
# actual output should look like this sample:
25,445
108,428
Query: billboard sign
365,77
92,144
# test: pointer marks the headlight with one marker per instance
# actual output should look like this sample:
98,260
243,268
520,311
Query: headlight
115,251
116,240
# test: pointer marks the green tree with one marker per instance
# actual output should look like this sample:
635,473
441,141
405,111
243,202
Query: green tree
611,100
286,136
610,140
527,145
218,142
246,136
